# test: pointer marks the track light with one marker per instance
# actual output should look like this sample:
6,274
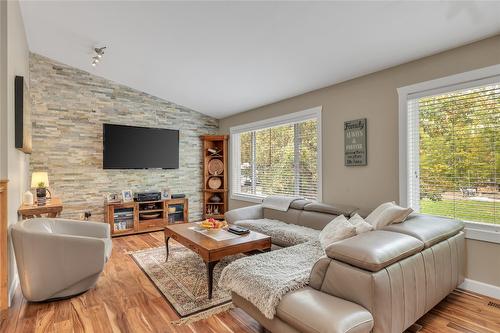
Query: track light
98,53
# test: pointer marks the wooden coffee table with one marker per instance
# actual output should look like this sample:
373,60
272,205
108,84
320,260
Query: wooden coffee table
211,250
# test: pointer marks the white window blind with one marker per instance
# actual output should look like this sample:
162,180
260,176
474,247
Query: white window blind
454,153
282,159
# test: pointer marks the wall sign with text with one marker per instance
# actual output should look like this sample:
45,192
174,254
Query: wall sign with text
355,142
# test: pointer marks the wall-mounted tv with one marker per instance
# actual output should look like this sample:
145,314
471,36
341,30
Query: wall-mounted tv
132,147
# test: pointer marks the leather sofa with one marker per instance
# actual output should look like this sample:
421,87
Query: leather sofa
380,281
310,216
58,258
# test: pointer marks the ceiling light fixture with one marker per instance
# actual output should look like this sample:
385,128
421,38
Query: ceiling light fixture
98,53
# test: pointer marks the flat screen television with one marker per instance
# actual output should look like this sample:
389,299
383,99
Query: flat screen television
132,147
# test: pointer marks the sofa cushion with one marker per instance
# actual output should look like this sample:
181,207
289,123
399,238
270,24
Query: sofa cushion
374,250
427,228
282,234
339,228
311,311
331,209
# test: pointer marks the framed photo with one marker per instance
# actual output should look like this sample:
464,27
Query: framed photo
127,196
165,194
112,197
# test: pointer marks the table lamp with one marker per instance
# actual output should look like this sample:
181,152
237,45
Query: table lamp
40,181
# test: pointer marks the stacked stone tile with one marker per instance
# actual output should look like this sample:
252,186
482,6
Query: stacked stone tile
69,107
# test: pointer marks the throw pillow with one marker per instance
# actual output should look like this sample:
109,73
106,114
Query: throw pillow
360,224
338,229
387,213
374,216
404,213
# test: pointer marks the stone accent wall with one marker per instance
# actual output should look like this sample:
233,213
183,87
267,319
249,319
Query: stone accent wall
69,108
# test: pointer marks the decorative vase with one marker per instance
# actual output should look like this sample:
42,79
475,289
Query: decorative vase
41,196
215,198
28,198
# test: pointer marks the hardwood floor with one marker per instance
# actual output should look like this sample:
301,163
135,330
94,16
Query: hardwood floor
126,301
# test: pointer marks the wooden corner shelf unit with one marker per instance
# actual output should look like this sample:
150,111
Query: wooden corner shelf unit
126,218
215,177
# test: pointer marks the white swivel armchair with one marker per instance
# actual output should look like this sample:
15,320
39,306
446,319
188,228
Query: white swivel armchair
58,258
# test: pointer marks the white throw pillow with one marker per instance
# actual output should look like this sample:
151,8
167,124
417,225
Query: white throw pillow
386,214
374,216
403,214
339,228
360,224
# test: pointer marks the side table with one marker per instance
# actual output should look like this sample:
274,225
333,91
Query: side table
52,208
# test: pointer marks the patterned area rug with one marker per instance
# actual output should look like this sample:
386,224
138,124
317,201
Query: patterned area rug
183,281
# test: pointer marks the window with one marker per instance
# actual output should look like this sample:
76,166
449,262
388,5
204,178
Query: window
277,156
453,151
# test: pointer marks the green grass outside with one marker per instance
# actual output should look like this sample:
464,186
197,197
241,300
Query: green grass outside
467,210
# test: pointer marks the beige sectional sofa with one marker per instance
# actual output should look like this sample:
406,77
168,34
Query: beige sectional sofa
381,281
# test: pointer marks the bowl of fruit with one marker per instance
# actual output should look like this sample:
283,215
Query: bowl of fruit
213,224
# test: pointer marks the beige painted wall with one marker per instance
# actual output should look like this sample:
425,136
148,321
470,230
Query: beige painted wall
14,58
375,97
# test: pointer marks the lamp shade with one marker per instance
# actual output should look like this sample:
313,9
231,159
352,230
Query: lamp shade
39,177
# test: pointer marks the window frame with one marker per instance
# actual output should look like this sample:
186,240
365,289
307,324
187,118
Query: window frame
234,158
488,75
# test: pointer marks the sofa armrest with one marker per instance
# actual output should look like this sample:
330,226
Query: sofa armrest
245,213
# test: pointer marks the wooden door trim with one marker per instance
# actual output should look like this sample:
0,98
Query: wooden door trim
4,264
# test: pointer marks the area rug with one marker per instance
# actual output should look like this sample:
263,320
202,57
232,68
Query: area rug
183,281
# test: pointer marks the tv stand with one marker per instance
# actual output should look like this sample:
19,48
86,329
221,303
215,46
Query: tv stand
127,218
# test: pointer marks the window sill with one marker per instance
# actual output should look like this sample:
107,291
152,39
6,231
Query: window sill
247,197
482,231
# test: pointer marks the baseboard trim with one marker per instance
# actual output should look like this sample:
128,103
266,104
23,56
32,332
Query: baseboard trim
481,288
12,288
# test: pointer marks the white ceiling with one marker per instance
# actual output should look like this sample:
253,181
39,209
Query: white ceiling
221,58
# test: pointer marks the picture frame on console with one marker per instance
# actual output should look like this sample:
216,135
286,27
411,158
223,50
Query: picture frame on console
127,196
112,197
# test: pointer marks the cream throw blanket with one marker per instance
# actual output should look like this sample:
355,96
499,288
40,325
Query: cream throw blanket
264,279
282,234
278,202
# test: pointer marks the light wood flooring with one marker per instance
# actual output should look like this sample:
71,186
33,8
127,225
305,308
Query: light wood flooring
126,301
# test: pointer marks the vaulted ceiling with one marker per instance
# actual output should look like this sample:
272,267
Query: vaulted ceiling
221,58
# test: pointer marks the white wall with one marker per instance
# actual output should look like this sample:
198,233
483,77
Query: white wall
14,164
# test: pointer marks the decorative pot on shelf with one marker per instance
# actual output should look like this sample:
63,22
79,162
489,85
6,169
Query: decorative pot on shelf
215,198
